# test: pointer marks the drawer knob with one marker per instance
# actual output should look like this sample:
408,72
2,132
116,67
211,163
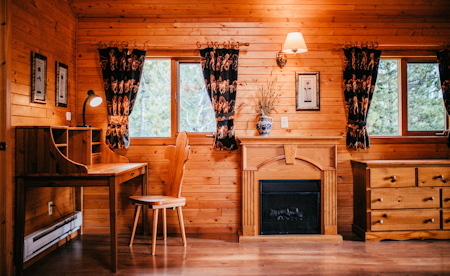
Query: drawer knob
380,199
380,221
429,220
442,178
446,199
393,178
429,198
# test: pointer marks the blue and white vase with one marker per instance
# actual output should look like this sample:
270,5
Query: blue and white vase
264,125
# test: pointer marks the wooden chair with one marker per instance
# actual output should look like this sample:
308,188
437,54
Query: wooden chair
171,198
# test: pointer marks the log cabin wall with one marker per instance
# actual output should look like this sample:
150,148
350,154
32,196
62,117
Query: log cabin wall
48,28
171,28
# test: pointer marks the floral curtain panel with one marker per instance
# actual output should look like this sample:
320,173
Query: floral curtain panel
220,70
121,78
360,75
443,57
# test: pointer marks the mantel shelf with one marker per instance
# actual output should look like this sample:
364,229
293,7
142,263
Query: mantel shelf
246,140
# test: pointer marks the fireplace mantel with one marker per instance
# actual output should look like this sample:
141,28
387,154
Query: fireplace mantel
283,158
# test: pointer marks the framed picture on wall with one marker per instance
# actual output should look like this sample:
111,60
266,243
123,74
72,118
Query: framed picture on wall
307,91
38,78
61,84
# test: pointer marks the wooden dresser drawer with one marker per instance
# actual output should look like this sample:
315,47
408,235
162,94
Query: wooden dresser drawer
434,176
396,198
446,219
392,177
413,219
446,198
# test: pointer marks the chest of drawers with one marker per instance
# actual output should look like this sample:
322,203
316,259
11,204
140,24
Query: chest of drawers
401,199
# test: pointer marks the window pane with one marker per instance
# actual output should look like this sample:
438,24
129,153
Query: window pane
426,110
151,113
196,113
383,114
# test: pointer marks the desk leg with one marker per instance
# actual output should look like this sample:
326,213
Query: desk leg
113,186
145,208
19,224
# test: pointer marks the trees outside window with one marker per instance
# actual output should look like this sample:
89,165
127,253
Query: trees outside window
172,98
407,99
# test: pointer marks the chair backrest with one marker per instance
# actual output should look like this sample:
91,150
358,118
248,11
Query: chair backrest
177,155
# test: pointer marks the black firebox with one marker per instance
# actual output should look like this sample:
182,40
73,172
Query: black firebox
290,207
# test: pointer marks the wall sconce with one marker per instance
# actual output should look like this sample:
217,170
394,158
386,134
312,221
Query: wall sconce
94,101
295,43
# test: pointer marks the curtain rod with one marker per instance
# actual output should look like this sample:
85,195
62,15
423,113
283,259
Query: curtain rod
226,44
146,44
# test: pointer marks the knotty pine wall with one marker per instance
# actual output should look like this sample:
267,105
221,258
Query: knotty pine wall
213,179
49,28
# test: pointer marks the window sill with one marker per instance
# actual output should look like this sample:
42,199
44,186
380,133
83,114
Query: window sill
194,139
408,139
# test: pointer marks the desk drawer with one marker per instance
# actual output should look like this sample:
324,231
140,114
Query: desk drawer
131,174
434,176
396,198
392,177
405,220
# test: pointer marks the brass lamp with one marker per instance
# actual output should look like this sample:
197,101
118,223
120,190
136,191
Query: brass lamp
295,43
93,100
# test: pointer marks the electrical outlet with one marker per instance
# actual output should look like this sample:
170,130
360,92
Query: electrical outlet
50,208
284,122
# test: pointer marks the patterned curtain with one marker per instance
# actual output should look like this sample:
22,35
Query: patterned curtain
360,76
220,70
121,78
443,57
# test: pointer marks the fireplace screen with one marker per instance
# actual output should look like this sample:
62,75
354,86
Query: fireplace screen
290,207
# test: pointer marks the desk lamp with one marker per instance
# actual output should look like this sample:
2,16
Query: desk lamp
94,100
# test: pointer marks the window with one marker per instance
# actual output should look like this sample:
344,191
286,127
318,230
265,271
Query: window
407,99
171,98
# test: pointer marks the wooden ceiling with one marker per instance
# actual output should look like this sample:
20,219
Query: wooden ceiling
251,10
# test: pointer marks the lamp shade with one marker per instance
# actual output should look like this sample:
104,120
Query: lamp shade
295,43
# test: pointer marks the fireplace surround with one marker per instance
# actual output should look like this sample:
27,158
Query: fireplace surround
289,158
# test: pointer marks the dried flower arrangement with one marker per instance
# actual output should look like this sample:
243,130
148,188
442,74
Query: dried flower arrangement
265,97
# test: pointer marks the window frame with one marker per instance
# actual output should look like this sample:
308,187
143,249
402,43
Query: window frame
201,138
403,60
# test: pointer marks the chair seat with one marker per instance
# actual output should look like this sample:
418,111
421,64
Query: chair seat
159,200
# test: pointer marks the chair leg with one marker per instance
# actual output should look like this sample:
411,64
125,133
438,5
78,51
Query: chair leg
154,230
164,223
137,210
181,222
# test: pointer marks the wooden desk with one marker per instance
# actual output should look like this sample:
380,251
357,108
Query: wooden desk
44,159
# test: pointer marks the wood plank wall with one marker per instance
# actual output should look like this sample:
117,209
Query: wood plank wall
213,179
48,28
213,184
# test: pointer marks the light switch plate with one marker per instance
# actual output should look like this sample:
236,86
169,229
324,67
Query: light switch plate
284,122
68,116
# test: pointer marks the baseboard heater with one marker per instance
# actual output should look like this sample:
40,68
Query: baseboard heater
42,239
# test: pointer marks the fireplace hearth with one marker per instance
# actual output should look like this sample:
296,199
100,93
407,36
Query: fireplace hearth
290,207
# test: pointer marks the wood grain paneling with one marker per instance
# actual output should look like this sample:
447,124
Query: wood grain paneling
173,29
69,31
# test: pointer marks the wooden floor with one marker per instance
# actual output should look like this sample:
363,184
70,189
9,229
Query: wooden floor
223,255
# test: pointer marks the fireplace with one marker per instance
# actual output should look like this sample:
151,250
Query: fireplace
288,159
290,207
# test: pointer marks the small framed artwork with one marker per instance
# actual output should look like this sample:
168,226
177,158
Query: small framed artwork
307,91
38,78
61,84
